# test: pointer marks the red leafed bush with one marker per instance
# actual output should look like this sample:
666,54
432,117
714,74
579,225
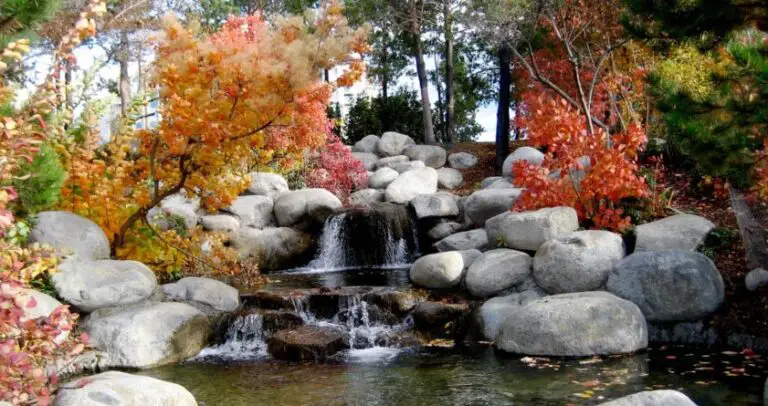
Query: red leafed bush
337,170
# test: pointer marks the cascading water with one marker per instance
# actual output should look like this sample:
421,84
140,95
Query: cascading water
245,339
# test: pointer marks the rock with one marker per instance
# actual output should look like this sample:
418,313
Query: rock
253,211
313,204
368,159
407,166
70,233
681,232
382,177
529,154
529,229
43,305
365,197
183,207
664,397
432,155
220,222
756,279
484,204
497,270
469,256
577,262
669,285
491,315
438,271
477,239
369,143
462,160
120,388
574,325
411,184
306,343
489,181
502,184
393,143
443,230
267,184
449,178
218,295
273,248
440,204
435,319
389,162
91,285
149,334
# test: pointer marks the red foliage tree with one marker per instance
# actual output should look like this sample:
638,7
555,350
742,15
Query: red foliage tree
337,170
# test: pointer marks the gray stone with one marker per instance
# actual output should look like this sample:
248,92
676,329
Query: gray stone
253,211
489,181
529,154
528,230
502,184
368,159
313,204
470,256
462,160
365,197
681,232
407,166
438,271
119,388
577,262
756,279
272,248
70,234
369,143
497,270
491,315
267,184
472,239
382,177
218,295
148,335
664,397
669,285
43,306
574,325
432,155
440,204
449,178
484,204
444,229
393,143
307,343
389,162
411,184
220,222
91,285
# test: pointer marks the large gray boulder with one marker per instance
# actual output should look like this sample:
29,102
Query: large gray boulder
440,204
218,295
149,334
529,154
365,197
490,181
41,305
411,184
267,184
432,155
497,270
529,229
391,161
221,222
71,234
183,207
382,177
368,159
449,178
119,388
393,143
577,262
574,325
253,211
91,285
272,248
669,285
305,204
486,203
444,229
681,232
369,143
663,397
491,315
462,160
472,239
407,166
438,271
755,279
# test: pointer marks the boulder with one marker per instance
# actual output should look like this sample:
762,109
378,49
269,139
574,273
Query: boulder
574,325
272,248
501,184
220,222
669,285
469,256
529,154
407,166
529,229
368,159
477,239
365,197
182,207
486,203
307,343
577,262
42,305
497,270
432,155
210,292
444,229
389,162
120,388
149,334
449,178
369,143
305,204
70,233
382,177
393,143
253,211
491,315
438,271
462,160
756,279
489,181
411,184
440,204
681,232
663,397
91,285
267,184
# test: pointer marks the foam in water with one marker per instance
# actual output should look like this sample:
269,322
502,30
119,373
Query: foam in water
245,339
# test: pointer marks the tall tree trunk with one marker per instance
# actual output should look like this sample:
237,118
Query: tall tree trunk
125,79
385,72
450,102
440,106
502,114
421,70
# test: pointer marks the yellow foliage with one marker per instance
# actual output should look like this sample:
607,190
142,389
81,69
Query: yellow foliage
690,71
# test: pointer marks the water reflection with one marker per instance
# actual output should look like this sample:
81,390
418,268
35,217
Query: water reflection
305,278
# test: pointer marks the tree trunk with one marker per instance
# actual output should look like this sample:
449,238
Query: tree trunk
440,106
385,72
753,235
421,70
450,102
125,79
502,114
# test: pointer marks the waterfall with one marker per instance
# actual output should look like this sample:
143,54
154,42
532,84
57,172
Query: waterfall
245,339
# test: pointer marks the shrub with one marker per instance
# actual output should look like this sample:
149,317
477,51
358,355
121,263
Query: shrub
39,182
337,170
